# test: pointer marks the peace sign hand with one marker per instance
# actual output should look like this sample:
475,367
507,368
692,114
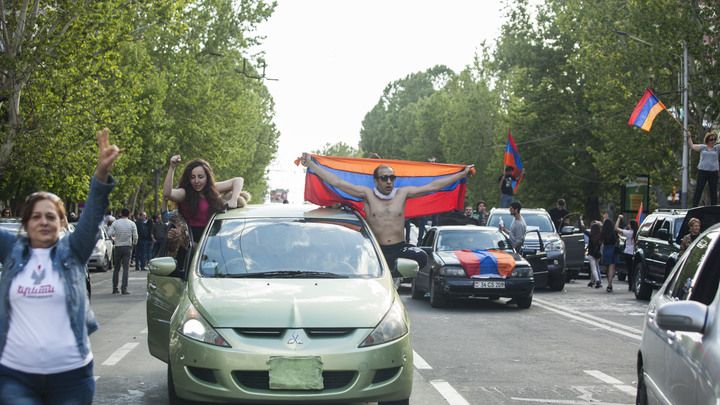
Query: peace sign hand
106,155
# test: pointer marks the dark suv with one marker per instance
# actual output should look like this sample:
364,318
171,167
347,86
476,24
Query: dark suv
658,244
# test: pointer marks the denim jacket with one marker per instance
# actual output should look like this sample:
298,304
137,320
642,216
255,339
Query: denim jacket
70,254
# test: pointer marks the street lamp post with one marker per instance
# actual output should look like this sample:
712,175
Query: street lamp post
684,57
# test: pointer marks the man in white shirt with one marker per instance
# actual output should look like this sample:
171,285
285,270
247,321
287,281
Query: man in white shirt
125,233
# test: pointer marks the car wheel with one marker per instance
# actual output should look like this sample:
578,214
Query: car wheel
641,396
643,290
557,283
401,402
437,299
106,264
173,398
524,302
415,292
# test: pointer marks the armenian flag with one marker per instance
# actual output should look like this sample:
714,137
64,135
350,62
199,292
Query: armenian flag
646,110
359,171
512,159
639,216
485,263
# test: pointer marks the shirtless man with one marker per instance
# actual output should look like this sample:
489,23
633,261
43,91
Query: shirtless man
384,207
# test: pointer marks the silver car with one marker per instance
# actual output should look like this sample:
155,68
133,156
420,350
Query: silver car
679,357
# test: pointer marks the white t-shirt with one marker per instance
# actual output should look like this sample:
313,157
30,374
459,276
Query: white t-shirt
629,242
40,339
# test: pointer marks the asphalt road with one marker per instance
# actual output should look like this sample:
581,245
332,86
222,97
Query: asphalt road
577,346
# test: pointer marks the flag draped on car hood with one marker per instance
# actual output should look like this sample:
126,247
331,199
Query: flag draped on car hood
359,171
485,263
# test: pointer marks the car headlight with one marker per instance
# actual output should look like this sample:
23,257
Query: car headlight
522,272
194,326
554,245
452,272
96,250
391,327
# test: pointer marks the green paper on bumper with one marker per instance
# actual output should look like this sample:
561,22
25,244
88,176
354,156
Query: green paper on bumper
295,373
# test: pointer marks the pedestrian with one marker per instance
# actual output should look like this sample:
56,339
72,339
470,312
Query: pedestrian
558,214
505,182
142,242
694,225
517,231
594,250
6,213
481,213
384,207
629,250
149,225
707,167
126,238
198,195
45,317
469,215
610,255
158,234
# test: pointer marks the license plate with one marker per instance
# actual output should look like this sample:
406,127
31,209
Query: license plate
295,373
489,284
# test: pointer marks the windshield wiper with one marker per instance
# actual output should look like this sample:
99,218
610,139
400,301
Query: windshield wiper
289,274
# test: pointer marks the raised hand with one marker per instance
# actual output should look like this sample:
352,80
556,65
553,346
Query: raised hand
106,155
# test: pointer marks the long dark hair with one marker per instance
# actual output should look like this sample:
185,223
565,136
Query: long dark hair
595,231
634,226
609,237
210,193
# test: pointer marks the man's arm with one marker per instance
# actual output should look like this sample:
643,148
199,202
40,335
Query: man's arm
438,184
333,180
502,179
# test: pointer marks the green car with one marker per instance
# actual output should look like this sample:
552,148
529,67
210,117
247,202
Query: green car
281,304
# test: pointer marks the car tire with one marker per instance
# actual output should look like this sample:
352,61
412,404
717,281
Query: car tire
557,283
437,299
643,290
415,292
400,402
641,395
173,398
524,302
107,264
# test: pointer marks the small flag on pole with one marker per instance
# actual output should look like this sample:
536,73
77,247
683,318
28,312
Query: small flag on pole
639,217
645,111
512,159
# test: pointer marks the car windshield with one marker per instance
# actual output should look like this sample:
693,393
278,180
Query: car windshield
449,240
289,248
13,227
541,221
676,228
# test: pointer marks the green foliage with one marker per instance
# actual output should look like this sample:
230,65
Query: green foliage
340,149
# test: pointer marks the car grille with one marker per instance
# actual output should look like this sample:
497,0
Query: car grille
278,332
260,380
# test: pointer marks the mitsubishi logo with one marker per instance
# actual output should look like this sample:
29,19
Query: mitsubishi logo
294,339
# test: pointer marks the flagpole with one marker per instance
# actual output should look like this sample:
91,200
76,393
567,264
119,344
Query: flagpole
678,122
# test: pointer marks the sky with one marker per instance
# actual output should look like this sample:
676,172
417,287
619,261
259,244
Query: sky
333,58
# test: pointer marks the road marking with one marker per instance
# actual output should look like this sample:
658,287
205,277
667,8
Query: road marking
611,326
449,393
144,331
419,362
564,401
611,380
119,354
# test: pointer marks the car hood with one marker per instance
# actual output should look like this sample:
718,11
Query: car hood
450,259
293,303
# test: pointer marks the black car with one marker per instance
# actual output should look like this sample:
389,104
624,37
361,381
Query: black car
658,244
445,278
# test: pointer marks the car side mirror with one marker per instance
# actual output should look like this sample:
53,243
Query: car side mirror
663,234
163,266
685,316
407,268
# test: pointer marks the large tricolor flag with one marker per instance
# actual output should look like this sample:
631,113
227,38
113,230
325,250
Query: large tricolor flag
359,171
512,159
646,110
485,263
639,216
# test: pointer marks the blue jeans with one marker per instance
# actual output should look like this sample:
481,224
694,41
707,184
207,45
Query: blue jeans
74,387
505,200
140,256
148,250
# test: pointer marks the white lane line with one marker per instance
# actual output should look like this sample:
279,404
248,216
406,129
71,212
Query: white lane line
420,363
591,320
144,331
119,354
563,401
611,380
449,393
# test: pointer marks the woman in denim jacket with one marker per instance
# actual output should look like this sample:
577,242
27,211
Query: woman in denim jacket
45,315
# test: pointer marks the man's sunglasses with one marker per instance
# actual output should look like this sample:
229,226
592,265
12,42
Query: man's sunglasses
387,177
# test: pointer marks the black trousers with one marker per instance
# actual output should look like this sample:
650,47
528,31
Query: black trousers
711,178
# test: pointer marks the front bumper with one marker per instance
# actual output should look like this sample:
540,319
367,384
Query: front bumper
465,288
208,373
556,262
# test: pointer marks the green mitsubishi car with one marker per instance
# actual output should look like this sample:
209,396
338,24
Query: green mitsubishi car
280,304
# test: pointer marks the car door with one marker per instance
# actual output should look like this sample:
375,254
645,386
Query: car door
537,257
574,240
689,370
428,245
164,293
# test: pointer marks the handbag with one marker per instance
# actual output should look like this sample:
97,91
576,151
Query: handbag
620,249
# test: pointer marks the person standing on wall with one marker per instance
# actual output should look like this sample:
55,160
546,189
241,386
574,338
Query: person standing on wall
707,167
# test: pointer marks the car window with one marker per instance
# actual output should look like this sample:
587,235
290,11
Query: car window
645,227
660,224
494,220
449,240
682,284
542,221
676,227
706,284
429,238
240,248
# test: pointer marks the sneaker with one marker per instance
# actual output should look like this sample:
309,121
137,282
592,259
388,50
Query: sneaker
116,292
126,292
598,284
609,289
